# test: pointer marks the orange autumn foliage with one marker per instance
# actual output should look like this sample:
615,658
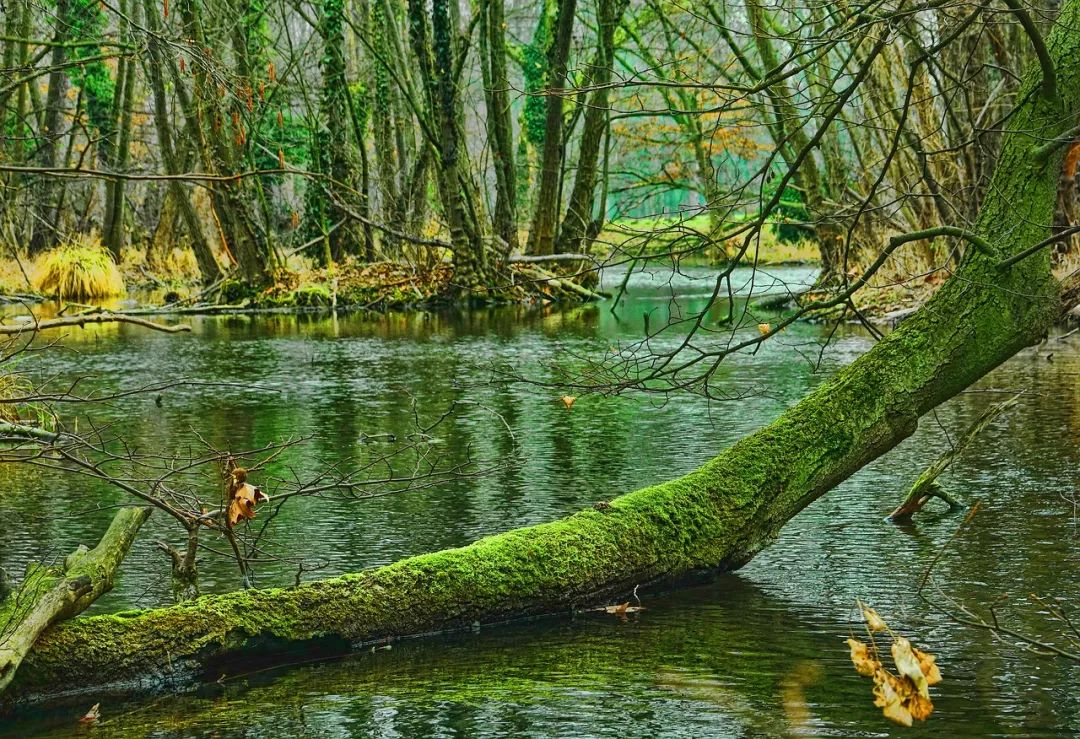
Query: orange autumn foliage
243,497
903,697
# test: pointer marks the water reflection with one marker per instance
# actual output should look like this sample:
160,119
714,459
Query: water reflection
724,660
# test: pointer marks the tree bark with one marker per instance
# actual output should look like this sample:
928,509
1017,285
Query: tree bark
209,269
44,231
49,594
114,233
715,518
435,53
575,233
545,220
499,127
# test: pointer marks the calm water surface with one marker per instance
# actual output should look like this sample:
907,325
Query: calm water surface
756,653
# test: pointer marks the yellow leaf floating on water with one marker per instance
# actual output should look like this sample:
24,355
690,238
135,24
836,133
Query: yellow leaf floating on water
764,328
621,610
568,401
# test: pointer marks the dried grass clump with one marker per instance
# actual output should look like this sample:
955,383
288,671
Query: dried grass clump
81,269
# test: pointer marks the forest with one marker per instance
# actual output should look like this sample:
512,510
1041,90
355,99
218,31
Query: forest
539,367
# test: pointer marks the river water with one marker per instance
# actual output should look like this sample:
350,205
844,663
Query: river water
756,653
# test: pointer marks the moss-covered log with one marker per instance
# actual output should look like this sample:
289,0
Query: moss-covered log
50,594
714,518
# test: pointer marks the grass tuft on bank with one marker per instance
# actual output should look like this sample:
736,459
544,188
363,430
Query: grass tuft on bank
81,269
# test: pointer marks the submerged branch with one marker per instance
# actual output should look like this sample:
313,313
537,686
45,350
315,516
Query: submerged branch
926,487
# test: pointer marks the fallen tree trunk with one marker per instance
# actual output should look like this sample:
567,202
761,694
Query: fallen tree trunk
715,518
51,594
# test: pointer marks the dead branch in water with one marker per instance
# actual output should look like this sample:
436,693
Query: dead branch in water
84,319
927,487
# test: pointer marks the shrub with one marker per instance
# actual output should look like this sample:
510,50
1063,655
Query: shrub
82,269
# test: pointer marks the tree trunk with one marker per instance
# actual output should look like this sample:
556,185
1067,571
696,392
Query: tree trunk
49,594
44,231
499,128
205,117
788,129
334,157
579,211
209,269
714,518
115,233
434,51
545,220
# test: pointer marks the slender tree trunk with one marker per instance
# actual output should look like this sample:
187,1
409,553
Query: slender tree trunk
545,220
789,133
579,212
115,233
334,197
209,269
499,126
44,228
435,53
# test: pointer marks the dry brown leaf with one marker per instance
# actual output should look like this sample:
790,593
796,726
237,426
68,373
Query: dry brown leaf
908,666
889,700
920,708
928,665
568,401
905,697
245,497
866,664
873,620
